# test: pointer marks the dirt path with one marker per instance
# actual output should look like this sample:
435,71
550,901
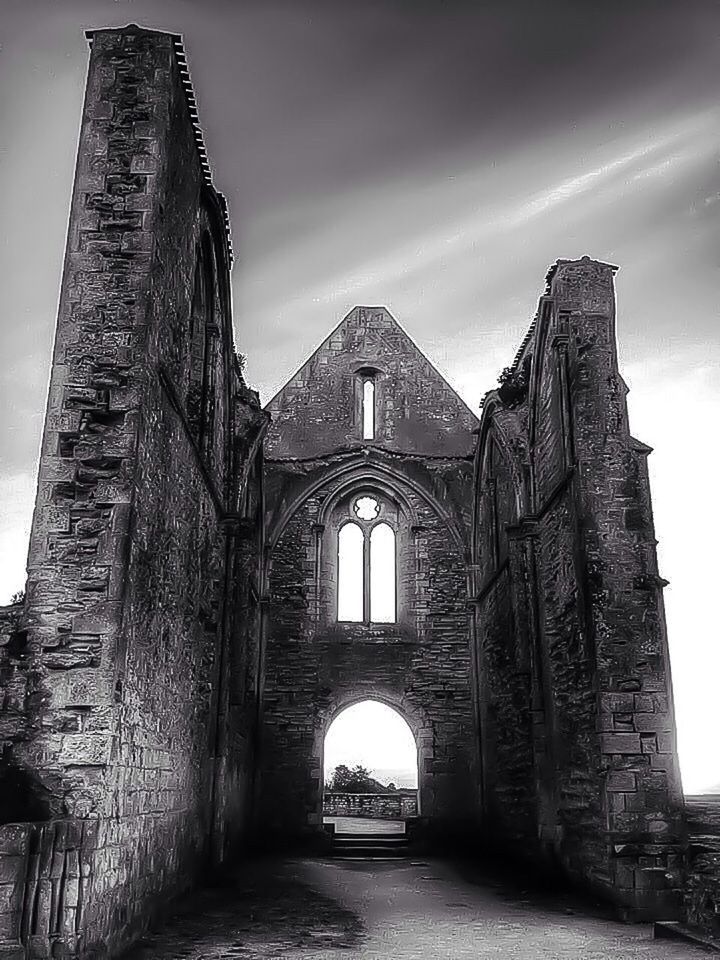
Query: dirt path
383,910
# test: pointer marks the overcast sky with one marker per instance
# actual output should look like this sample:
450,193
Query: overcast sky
435,158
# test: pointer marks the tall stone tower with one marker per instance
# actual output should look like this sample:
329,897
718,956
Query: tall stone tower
132,675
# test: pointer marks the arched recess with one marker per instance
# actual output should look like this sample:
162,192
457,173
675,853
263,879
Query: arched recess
500,494
408,499
314,665
217,252
200,394
375,473
365,561
549,416
417,721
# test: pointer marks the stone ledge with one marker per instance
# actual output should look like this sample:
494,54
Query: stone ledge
674,930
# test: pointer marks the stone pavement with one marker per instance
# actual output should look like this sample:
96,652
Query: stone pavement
302,909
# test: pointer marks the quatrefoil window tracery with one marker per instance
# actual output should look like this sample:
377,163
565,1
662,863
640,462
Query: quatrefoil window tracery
366,508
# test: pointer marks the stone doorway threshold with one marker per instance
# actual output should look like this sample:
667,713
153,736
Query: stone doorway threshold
366,826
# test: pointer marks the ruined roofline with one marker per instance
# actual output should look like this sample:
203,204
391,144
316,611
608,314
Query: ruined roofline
190,100
549,277
553,268
359,306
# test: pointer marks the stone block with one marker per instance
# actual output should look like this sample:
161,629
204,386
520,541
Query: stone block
14,839
621,781
85,749
620,743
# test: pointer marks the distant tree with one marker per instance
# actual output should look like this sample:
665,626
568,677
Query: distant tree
357,780
338,778
18,597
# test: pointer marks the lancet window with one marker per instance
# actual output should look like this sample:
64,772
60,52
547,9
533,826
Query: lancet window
367,572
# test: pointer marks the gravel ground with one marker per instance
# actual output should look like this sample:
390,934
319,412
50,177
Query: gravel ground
298,909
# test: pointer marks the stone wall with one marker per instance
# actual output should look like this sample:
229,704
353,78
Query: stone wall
315,666
573,682
381,806
43,872
143,573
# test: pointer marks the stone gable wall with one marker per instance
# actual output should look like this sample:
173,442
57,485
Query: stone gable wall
320,407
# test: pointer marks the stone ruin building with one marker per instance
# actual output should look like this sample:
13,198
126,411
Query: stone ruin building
169,677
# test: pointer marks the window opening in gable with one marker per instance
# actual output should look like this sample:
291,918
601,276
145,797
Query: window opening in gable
368,409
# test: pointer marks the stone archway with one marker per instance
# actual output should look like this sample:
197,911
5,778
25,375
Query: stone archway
420,727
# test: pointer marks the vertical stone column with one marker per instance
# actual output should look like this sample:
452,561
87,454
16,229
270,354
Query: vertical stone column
528,624
639,779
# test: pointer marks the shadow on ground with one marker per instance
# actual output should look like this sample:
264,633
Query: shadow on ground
525,886
400,909
263,910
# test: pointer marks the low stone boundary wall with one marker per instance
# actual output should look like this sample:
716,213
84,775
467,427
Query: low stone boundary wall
702,888
383,806
42,879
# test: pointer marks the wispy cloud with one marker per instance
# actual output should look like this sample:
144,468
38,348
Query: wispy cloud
490,225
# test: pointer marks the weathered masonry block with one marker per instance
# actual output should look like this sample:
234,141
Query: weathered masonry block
135,648
573,682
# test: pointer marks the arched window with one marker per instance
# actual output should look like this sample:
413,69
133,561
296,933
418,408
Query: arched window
351,547
382,574
366,567
368,409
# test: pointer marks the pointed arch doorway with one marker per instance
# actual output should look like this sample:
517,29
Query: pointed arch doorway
370,770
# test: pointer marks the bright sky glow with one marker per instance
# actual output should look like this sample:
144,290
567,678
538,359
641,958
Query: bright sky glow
677,396
367,508
368,410
350,573
352,544
378,738
382,574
